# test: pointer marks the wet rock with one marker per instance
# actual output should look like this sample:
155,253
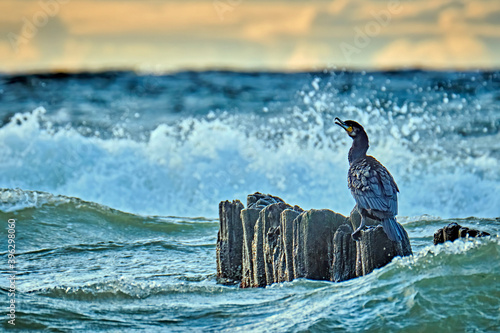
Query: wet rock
229,242
249,217
313,233
265,242
454,231
404,247
286,218
344,249
261,201
375,250
281,243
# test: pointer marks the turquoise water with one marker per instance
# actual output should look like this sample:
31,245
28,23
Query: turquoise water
86,267
98,171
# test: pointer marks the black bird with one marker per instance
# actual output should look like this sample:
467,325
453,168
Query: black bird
371,185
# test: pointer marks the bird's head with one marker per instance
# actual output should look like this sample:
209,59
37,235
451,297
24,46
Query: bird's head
352,128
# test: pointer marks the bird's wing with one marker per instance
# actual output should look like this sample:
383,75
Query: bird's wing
372,186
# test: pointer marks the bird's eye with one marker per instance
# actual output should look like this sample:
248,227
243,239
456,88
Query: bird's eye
349,129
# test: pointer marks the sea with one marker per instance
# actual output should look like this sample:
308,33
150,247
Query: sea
110,184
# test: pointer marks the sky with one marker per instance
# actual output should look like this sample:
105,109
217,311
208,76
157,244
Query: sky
278,35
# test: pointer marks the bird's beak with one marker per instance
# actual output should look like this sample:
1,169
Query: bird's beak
343,125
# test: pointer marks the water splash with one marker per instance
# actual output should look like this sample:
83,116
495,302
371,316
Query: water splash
444,156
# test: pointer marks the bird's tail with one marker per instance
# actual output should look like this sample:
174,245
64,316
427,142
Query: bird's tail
393,229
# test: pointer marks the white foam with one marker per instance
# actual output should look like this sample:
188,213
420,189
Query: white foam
186,168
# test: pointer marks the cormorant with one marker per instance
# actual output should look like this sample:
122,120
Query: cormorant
371,185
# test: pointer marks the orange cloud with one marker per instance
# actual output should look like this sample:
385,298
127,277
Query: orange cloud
293,20
481,9
309,55
19,57
90,17
338,6
274,34
14,11
359,10
449,52
420,9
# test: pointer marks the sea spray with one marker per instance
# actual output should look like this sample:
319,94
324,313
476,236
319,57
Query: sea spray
131,152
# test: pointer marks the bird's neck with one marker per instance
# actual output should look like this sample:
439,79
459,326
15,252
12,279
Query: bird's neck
359,148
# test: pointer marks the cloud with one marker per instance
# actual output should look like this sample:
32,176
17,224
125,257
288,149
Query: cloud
90,17
273,34
447,52
481,9
212,19
361,10
293,20
19,56
421,10
309,55
17,10
337,7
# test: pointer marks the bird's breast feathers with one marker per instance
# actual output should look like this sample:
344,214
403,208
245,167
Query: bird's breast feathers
369,176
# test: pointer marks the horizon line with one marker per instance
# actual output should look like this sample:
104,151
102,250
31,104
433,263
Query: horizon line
234,69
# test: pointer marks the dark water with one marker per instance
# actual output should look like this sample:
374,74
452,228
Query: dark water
97,168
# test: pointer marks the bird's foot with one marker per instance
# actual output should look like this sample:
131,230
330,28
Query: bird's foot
356,235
